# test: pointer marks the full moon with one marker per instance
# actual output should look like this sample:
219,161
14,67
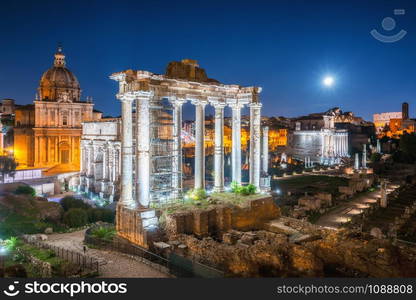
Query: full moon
328,81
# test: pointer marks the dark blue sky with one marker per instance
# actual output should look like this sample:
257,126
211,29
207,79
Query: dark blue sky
285,46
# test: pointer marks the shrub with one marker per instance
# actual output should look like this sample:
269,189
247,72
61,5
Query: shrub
251,189
197,194
104,233
69,202
243,190
235,187
75,217
25,190
100,214
11,243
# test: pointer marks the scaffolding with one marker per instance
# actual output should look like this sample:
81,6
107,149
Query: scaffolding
162,153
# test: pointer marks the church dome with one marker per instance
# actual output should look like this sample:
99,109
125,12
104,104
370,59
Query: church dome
59,80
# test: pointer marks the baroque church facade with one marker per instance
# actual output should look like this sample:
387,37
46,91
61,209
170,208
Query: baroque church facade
47,133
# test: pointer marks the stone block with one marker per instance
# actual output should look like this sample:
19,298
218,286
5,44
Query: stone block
161,245
200,223
248,238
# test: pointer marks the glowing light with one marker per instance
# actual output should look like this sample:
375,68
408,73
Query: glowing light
328,81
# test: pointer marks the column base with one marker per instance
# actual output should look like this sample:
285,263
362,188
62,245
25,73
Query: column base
265,185
217,189
136,225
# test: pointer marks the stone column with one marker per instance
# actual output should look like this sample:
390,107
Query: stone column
340,137
336,152
199,144
357,162
1,139
82,162
265,152
219,147
236,142
105,162
110,163
255,118
89,160
126,197
177,146
143,147
116,166
364,158
346,145
93,159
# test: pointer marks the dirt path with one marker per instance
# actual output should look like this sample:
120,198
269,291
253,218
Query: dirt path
117,265
336,217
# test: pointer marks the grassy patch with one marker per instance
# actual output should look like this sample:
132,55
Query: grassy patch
226,198
59,266
233,198
311,184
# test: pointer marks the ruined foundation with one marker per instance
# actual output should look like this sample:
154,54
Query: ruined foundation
135,225
220,218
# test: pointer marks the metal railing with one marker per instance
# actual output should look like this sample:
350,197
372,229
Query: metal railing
86,263
176,265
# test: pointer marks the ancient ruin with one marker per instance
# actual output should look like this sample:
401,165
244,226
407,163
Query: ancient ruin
151,158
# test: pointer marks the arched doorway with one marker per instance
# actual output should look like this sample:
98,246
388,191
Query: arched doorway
64,153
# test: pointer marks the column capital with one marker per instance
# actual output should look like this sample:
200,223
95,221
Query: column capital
142,95
235,105
199,102
175,101
125,97
255,105
218,104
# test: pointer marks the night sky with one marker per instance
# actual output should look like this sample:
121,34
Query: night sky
285,46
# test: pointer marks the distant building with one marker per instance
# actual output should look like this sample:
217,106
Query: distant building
394,124
47,133
7,107
7,114
318,140
328,137
382,120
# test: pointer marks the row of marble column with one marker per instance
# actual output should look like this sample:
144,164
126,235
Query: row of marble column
143,100
341,144
335,145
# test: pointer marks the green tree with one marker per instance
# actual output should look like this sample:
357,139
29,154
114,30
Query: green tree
69,202
25,190
100,214
407,145
7,166
75,217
